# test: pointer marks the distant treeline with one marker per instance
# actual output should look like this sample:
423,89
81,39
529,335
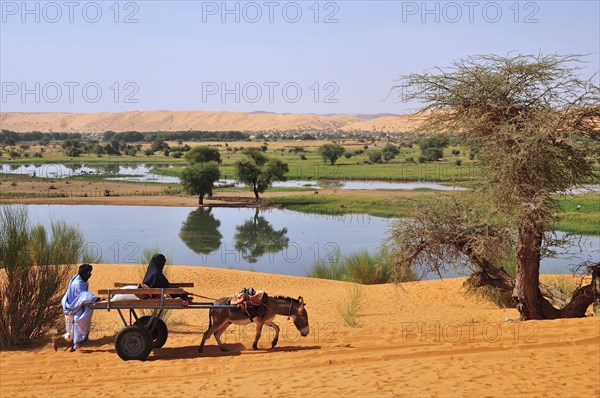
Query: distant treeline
11,137
136,136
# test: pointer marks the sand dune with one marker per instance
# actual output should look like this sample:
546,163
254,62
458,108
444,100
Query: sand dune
196,120
421,339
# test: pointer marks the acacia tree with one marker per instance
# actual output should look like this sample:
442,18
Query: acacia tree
331,152
203,154
198,179
259,172
536,125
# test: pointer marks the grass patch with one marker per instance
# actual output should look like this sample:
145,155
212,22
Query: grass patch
585,219
340,204
349,309
361,267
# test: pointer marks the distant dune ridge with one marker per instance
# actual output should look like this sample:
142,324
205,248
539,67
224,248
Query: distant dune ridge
201,120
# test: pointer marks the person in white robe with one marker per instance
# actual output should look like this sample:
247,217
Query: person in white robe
77,307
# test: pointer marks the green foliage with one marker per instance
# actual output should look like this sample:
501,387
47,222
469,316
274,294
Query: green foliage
36,267
202,154
159,146
535,122
348,310
259,172
433,154
391,148
375,156
331,152
198,179
435,141
361,267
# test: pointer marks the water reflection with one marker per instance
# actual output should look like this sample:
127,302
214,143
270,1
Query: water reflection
277,241
256,236
200,231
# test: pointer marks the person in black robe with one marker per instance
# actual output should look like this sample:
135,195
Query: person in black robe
155,278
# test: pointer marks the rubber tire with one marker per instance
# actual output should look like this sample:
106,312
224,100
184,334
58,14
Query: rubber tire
159,333
133,342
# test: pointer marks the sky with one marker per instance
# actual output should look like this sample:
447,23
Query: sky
319,57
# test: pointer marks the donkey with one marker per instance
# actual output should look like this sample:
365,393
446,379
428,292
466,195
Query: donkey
221,318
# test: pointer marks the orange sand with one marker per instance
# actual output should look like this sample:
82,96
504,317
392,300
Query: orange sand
162,120
421,339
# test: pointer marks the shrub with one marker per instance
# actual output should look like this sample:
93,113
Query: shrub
348,310
458,162
35,267
362,268
375,156
367,269
433,154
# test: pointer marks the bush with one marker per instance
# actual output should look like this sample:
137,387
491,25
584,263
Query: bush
35,267
362,268
458,162
433,154
349,310
375,156
367,269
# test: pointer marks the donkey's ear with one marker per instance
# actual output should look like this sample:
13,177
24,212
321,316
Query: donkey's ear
301,300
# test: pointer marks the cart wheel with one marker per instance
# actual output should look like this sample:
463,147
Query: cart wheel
159,333
133,342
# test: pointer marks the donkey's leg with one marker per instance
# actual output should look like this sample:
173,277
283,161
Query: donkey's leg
259,325
209,332
274,326
218,334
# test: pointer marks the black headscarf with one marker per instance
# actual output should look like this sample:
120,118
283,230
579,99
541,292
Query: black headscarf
154,275
85,271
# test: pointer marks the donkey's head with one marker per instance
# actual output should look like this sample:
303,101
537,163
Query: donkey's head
300,317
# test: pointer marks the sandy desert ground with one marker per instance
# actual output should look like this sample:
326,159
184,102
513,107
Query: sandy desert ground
415,340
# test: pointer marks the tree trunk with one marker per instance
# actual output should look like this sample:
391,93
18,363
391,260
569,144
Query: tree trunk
201,199
596,284
255,189
527,292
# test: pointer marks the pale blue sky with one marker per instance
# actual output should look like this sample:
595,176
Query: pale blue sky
180,55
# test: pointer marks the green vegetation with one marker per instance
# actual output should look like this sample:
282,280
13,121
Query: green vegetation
581,214
349,309
36,266
199,178
361,267
583,221
259,172
534,122
331,152
203,154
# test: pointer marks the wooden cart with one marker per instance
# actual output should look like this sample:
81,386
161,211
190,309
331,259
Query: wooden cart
143,333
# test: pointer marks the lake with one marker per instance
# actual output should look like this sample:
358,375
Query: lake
273,241
142,173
